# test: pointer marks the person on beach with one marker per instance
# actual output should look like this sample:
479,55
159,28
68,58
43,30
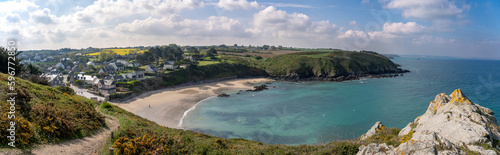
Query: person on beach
150,106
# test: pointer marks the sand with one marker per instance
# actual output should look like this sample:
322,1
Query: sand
166,107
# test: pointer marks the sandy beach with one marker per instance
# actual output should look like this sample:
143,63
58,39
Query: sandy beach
167,106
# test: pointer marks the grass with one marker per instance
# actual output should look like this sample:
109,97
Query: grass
204,63
46,115
121,51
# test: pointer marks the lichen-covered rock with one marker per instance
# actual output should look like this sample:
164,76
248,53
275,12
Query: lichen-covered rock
481,150
375,128
451,122
376,149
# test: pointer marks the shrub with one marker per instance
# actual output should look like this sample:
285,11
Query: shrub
389,136
79,82
106,105
66,89
407,137
38,80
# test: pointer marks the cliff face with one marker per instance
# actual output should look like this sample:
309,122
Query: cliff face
452,124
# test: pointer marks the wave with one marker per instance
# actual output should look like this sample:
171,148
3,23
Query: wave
190,109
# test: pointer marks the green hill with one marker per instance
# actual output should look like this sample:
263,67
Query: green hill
45,114
328,65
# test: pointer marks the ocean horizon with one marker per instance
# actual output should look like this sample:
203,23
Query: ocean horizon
320,112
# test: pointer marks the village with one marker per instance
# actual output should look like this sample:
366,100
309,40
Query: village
98,73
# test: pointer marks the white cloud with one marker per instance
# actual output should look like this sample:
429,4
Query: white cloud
351,34
365,1
400,28
13,18
291,5
42,16
237,4
279,23
426,9
17,6
162,7
397,30
174,25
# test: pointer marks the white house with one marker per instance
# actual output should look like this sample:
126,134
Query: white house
88,79
90,63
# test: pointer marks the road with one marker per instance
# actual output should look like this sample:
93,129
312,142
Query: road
83,92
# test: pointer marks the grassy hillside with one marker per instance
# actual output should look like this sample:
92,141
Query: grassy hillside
137,135
327,64
45,114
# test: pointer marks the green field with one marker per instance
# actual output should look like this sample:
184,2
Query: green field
204,63
122,51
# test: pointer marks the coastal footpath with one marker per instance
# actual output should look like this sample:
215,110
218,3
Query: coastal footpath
452,124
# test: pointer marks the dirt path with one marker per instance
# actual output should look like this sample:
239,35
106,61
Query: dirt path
83,146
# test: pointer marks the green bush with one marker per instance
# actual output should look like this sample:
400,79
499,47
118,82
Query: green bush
66,89
106,105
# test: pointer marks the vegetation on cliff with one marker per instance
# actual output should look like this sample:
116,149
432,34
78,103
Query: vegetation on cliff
44,114
328,64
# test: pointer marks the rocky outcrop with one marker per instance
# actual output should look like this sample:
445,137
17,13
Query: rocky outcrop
223,95
375,128
451,125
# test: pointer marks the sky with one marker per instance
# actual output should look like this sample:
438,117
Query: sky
456,28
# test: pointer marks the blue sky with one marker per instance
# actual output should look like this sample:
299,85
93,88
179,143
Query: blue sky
458,28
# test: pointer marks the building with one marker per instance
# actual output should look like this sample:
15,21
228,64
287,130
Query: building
134,64
118,66
88,79
106,87
110,70
136,75
117,78
151,69
125,63
170,65
90,63
53,79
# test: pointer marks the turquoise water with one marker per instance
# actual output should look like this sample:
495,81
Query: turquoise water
320,112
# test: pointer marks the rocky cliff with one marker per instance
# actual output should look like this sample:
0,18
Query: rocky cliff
452,124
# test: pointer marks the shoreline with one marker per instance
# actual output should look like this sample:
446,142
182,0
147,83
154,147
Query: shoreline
169,106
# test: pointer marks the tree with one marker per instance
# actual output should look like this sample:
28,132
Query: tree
196,57
193,51
4,61
212,50
79,82
272,48
210,54
33,70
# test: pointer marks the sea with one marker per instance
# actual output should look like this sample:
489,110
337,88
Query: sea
322,112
